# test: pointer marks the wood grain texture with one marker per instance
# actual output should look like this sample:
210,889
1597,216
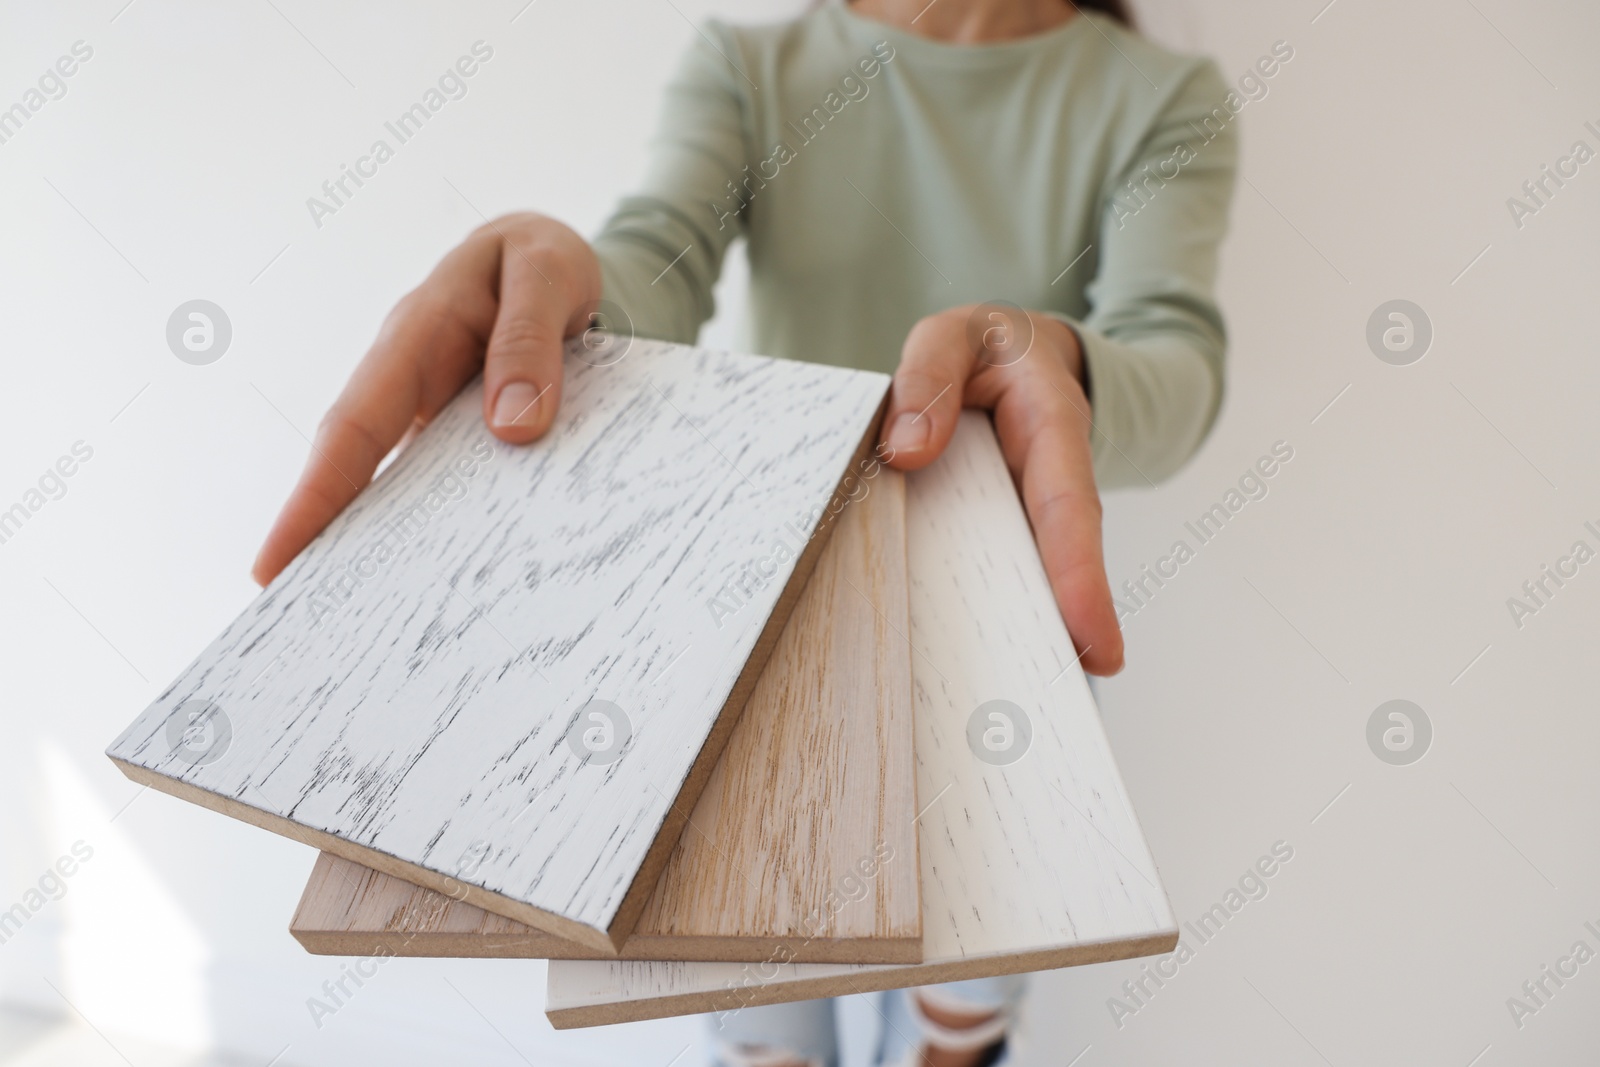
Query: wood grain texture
815,786
1028,866
403,694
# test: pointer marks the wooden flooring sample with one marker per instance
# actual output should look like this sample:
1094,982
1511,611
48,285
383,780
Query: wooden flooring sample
512,669
816,785
1028,865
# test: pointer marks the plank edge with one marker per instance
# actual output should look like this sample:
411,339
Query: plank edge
758,993
527,914
320,941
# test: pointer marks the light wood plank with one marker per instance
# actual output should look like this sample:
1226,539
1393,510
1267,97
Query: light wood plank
1034,865
816,784
473,602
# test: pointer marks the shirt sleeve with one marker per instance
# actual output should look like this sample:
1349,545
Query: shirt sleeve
661,251
1154,341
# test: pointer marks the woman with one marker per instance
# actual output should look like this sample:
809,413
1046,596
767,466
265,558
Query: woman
1009,204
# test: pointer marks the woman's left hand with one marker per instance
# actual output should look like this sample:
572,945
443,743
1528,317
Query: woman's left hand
1027,369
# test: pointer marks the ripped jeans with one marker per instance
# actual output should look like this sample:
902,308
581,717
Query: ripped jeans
808,1030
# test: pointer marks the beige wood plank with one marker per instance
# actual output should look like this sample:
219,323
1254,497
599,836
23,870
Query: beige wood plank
802,844
1032,857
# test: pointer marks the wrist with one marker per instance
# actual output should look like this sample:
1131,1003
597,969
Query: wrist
1064,341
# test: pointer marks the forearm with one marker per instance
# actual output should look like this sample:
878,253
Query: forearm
1154,399
659,267
661,251
1154,343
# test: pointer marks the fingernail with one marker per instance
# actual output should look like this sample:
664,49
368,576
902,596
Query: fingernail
518,405
910,433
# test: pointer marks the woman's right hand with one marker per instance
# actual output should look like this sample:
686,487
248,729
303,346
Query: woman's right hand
503,300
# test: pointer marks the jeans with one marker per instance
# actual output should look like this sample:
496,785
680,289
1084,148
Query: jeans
809,1030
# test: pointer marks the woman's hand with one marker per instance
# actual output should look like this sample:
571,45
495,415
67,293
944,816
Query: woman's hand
1027,369
506,298
503,300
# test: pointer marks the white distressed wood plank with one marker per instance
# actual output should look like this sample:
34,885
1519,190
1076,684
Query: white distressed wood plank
403,693
1029,866
815,790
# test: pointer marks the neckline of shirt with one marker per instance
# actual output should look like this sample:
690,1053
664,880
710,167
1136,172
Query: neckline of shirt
982,53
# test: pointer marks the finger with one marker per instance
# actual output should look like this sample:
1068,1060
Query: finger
427,349
357,433
925,398
1045,439
522,370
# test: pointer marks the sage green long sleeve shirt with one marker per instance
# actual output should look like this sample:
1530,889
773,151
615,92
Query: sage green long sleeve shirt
880,177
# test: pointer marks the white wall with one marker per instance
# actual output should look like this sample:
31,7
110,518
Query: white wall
177,165
1381,562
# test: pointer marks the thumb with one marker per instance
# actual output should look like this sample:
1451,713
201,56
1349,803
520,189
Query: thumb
546,293
522,361
925,398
